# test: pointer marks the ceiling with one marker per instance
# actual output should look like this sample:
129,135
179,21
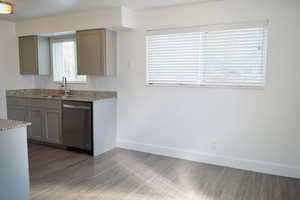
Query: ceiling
25,9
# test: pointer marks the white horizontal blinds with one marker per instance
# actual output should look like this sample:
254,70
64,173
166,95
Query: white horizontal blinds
227,57
64,60
174,58
234,57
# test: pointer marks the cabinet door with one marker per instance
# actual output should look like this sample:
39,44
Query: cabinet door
53,127
28,50
36,130
91,54
17,113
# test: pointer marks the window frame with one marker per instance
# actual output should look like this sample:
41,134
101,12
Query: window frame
207,28
65,38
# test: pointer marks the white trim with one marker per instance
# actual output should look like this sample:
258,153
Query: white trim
211,27
260,87
67,37
227,161
267,54
70,82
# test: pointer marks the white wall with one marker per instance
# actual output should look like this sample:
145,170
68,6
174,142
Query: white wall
112,18
9,64
256,129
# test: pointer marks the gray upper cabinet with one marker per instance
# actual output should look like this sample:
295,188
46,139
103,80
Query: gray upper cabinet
28,55
34,52
96,52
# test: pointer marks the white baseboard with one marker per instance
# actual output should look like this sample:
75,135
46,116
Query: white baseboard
238,163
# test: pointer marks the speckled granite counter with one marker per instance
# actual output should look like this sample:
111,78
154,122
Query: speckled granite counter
76,95
11,124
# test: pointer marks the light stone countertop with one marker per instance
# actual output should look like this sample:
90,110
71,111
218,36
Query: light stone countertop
11,124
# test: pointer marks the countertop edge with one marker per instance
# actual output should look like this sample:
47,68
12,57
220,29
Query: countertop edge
88,99
6,125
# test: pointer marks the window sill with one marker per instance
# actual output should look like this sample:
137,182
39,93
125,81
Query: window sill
73,82
258,87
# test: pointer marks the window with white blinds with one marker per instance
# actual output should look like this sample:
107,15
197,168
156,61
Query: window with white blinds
64,60
234,57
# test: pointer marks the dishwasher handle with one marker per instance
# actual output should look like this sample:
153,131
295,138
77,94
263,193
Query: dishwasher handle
76,107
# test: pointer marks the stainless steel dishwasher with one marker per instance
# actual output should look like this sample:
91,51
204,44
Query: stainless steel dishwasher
77,125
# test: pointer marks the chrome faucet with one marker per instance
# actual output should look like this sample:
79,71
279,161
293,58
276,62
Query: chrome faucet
65,86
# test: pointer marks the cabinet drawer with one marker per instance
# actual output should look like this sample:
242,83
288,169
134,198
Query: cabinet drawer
17,101
43,103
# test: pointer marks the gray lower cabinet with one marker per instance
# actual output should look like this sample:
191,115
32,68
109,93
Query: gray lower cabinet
17,113
36,117
44,115
53,126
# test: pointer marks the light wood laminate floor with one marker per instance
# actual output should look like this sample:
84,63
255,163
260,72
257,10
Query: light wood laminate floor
120,174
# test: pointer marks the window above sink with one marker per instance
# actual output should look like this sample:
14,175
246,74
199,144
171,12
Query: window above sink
64,60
